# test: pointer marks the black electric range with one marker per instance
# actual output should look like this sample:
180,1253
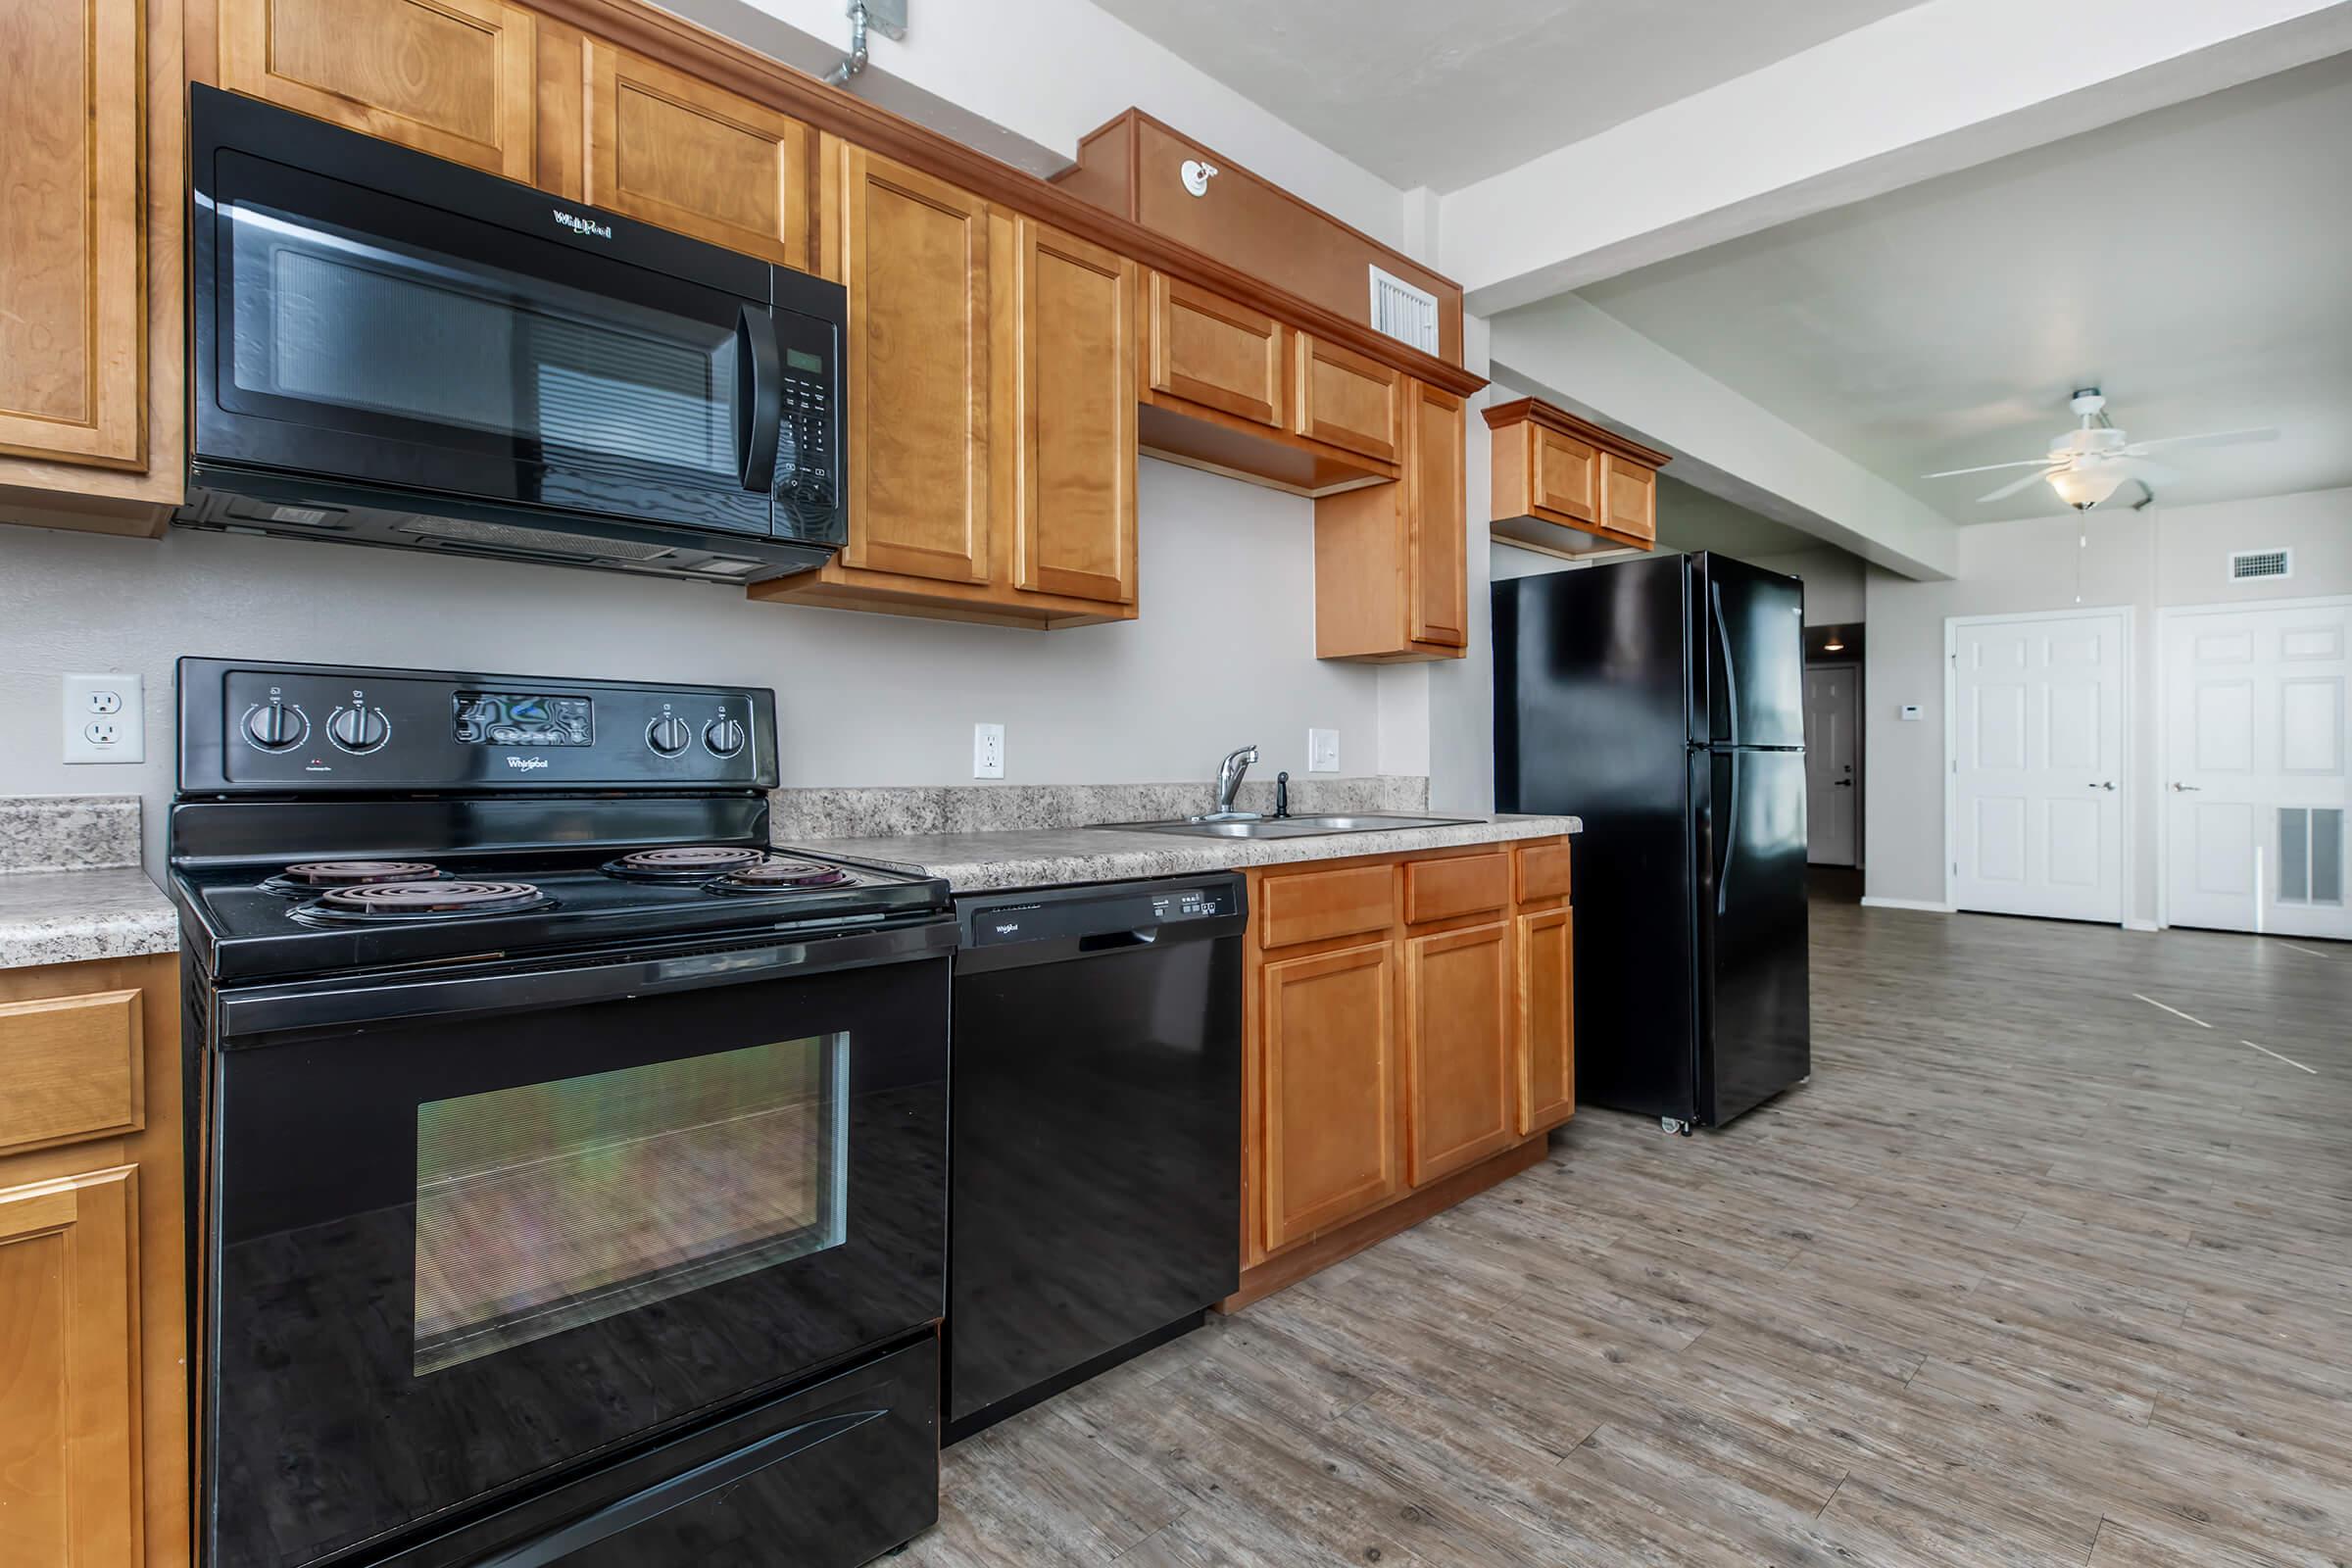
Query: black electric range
572,1165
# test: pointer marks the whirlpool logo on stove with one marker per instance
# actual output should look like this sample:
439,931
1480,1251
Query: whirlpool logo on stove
581,226
526,764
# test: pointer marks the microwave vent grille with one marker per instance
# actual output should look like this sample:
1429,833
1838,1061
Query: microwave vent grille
511,536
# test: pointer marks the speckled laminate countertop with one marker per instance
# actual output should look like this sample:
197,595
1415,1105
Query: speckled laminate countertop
1037,857
69,916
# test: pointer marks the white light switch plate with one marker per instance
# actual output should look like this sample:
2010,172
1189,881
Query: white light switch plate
105,719
988,750
1322,750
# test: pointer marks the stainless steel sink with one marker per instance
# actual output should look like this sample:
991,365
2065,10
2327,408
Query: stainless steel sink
1283,827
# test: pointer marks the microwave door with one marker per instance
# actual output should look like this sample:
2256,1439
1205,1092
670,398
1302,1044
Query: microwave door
351,332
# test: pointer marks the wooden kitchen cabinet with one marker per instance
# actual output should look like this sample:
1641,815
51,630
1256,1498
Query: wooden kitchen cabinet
1345,398
664,147
1392,570
1215,354
1544,981
1458,1049
93,1334
1073,418
1329,1039
450,77
1567,485
1629,499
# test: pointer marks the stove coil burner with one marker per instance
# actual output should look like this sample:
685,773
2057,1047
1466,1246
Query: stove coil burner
685,862
772,875
405,900
354,873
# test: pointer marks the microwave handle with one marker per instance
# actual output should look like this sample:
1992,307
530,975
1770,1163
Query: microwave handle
758,395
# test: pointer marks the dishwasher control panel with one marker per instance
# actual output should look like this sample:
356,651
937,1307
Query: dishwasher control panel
1135,910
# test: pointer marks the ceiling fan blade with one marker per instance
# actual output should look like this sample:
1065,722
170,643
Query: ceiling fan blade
2015,485
1987,467
2210,438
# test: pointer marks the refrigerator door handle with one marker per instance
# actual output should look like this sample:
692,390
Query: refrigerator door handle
1723,640
1725,841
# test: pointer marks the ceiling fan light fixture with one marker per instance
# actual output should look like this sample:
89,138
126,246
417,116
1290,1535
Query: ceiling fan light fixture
2084,488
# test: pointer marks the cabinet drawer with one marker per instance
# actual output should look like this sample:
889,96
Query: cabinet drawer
1543,874
1316,904
1439,890
73,1069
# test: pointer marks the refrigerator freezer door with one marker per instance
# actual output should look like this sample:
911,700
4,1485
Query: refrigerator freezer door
1748,667
1749,918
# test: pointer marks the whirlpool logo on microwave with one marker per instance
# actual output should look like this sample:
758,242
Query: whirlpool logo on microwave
582,226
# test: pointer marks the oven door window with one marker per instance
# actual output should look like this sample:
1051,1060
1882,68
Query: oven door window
548,1206
372,338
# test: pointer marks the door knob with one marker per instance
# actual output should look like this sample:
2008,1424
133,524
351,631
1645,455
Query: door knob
2186,787
1841,783
2108,785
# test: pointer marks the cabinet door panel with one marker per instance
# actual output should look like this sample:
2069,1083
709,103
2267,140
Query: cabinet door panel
1438,541
69,1461
1212,351
1630,498
451,77
1329,1042
915,256
1546,1022
1567,476
72,313
74,1067
683,154
1347,400
1075,519
1457,1048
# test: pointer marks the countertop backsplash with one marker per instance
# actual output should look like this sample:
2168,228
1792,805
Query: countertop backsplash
886,810
69,832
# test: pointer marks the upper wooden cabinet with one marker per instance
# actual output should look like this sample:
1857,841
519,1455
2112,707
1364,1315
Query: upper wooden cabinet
1347,400
1216,354
1391,560
663,146
451,77
1074,414
1567,485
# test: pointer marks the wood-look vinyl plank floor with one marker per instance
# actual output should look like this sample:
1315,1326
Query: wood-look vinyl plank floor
2032,1273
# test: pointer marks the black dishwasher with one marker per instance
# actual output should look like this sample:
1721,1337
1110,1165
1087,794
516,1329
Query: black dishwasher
1095,1165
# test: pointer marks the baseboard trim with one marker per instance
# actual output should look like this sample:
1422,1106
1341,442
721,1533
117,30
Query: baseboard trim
2141,925
1917,906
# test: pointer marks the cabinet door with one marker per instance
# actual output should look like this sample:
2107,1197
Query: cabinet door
70,1459
1546,1022
451,77
1457,987
1329,1041
1628,494
1436,539
1074,417
914,256
678,152
1567,476
1347,400
73,310
1212,351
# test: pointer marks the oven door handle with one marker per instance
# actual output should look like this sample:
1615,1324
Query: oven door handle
339,1006
758,395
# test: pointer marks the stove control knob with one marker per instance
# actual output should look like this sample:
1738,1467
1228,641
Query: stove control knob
358,729
668,735
276,727
724,736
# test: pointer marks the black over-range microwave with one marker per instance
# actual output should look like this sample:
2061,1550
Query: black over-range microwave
389,349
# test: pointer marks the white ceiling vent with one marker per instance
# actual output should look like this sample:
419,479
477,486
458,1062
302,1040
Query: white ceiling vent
1406,314
2245,565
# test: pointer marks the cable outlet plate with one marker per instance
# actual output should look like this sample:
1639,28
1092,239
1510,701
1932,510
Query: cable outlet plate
988,750
105,718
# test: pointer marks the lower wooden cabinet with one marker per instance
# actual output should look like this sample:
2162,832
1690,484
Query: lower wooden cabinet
1329,1037
1408,1042
1458,1049
93,1380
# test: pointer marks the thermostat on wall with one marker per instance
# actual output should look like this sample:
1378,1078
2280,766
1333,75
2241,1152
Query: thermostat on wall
1910,713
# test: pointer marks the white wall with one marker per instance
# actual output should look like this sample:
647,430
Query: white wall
1223,653
2147,559
1832,578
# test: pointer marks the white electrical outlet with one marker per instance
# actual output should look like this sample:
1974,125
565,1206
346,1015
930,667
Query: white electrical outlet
105,719
988,750
1322,750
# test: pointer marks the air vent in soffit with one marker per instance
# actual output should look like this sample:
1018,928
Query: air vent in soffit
1404,313
2245,565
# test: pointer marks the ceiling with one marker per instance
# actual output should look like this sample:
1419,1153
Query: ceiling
1443,95
2194,262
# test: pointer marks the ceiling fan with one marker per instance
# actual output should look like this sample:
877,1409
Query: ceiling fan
2090,462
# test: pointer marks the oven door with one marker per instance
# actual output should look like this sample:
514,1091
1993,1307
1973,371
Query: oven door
367,314
471,1230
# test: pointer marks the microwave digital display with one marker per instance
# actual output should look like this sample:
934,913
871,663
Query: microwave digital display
516,719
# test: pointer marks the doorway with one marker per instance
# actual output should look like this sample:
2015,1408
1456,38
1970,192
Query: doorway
1833,764
2254,795
2038,770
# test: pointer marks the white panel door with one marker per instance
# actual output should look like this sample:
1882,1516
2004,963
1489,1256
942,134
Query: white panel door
2255,796
2040,775
1832,710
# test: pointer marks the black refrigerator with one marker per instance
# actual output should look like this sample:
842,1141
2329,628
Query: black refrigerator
1662,701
